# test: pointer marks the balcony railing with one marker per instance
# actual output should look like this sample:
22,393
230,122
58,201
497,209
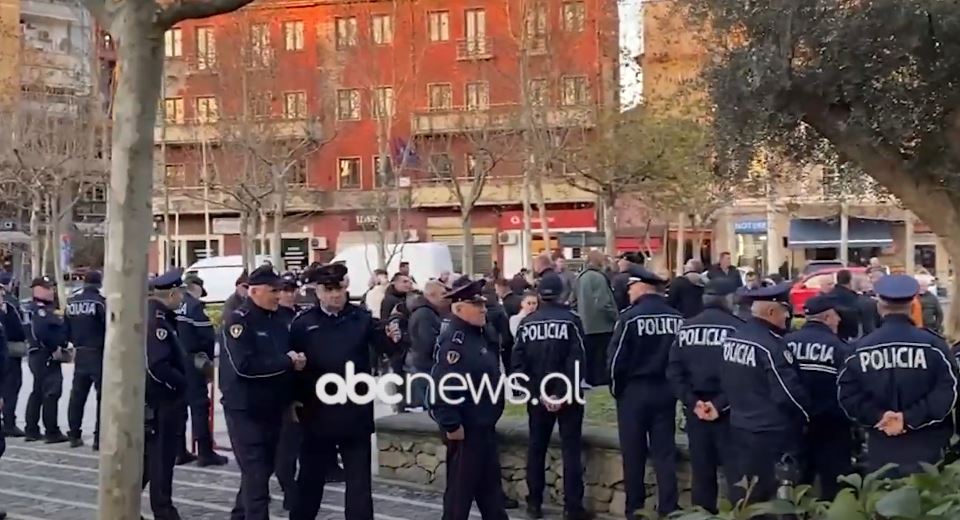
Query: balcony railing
500,118
263,130
50,9
476,48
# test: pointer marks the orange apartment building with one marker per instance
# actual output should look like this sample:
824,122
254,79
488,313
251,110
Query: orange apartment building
431,85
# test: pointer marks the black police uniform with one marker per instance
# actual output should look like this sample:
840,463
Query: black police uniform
550,341
331,341
694,372
768,403
165,390
827,444
198,338
291,435
473,464
646,408
901,368
86,320
12,321
256,377
48,334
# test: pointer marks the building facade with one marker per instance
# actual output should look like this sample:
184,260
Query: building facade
378,117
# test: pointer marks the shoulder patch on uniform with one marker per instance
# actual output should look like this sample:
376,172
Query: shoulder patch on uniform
453,357
42,313
458,338
788,356
236,330
161,334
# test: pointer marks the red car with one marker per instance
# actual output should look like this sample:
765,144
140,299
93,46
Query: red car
811,284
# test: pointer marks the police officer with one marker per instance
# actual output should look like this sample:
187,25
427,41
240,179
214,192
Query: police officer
694,372
550,341
165,391
900,384
646,408
235,300
469,428
48,341
256,381
12,321
336,337
291,437
827,444
768,404
86,321
197,338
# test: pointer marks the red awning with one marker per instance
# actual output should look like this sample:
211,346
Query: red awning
637,244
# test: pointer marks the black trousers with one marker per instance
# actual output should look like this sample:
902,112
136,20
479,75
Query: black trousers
596,372
47,389
757,454
473,474
315,458
87,373
646,418
288,451
826,453
12,380
709,452
254,440
160,456
541,424
198,401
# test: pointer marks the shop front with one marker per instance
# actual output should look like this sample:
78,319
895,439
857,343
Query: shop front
819,239
751,243
559,221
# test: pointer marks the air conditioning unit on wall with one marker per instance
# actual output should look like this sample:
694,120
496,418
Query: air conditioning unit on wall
318,243
507,238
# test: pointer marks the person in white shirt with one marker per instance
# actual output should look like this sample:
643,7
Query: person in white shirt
374,297
527,306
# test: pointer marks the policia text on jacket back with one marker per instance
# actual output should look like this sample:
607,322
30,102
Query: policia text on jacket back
86,320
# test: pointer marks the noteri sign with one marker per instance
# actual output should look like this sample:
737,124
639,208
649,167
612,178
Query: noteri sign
750,227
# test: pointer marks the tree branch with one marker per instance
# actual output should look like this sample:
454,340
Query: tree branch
182,10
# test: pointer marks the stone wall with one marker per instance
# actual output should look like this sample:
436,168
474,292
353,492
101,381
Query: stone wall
411,449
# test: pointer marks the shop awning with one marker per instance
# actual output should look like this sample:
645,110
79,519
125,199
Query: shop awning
811,233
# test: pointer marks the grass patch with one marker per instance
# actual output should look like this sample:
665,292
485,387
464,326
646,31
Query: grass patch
601,409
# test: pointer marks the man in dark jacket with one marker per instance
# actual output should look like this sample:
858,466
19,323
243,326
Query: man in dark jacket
497,329
240,294
622,279
511,300
847,306
426,314
932,311
686,292
725,269
396,293
12,320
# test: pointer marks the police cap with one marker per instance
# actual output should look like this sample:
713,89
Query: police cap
193,279
330,276
638,273
550,286
465,290
264,275
243,278
93,278
897,288
5,278
819,303
43,281
289,280
721,286
771,293
166,281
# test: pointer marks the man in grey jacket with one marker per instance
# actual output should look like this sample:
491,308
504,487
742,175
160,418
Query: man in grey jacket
595,304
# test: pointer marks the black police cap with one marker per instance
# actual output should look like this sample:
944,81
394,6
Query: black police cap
721,286
819,303
330,275
5,278
166,281
43,281
289,280
770,293
264,275
638,273
550,286
93,278
897,288
465,290
194,279
243,278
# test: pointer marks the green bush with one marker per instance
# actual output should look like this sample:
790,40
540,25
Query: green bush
215,312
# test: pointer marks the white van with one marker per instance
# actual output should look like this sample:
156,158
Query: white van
219,275
427,260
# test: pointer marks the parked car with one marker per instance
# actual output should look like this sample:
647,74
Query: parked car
810,285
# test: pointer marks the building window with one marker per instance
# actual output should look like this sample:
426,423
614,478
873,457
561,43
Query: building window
441,166
295,105
382,27
173,43
346,32
440,96
438,26
348,104
173,111
260,45
293,35
206,48
348,173
175,174
96,193
207,111
382,179
297,174
478,164
475,24
574,16
537,92
258,104
383,102
478,95
575,91
536,28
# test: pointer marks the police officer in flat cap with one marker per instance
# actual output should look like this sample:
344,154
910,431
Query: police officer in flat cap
86,321
165,393
12,320
646,407
336,336
827,444
900,384
48,341
550,341
694,372
768,403
468,428
256,379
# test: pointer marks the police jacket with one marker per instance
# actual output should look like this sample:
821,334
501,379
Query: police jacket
760,379
819,354
256,375
194,327
464,350
165,360
86,319
620,293
497,328
12,320
899,368
849,311
696,356
47,330
287,314
549,341
234,301
686,294
330,342
641,342
424,328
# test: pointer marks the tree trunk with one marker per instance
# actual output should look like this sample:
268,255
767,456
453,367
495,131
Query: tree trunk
265,244
57,233
467,242
279,208
129,220
609,200
527,219
244,239
544,219
36,242
681,252
250,236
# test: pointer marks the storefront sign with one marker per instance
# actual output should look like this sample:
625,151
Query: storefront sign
225,226
750,227
556,219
